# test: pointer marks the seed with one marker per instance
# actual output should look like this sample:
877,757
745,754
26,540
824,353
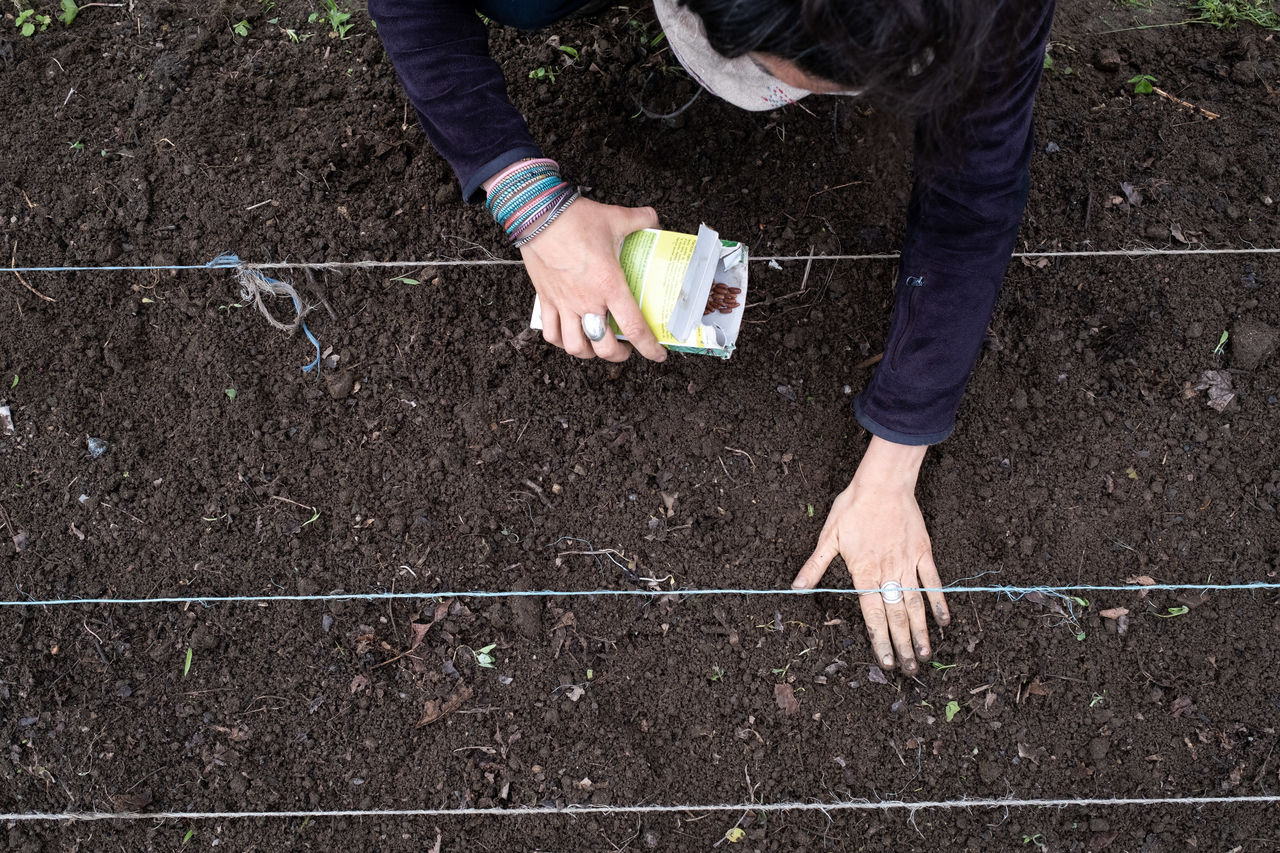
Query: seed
726,310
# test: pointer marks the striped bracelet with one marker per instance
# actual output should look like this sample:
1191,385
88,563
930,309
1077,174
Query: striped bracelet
560,208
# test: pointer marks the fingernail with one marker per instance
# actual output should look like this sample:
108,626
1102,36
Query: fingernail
924,651
886,662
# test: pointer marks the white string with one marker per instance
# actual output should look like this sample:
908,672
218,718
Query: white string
537,811
885,256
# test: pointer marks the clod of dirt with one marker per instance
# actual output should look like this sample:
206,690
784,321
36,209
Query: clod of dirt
1251,342
340,384
1107,59
785,696
526,612
1245,73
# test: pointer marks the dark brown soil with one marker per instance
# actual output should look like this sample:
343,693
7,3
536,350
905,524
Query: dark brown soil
448,451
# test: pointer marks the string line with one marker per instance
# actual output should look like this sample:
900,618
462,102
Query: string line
1011,591
230,262
538,811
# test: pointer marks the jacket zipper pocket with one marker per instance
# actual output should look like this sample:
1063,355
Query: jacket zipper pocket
916,283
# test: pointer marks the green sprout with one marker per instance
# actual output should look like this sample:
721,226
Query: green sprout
1222,342
484,659
571,52
1143,84
186,665
735,835
69,12
404,279
332,15
28,22
1097,699
1083,602
241,28
953,708
76,146
809,508
14,383
230,392
717,673
1180,610
191,833
543,74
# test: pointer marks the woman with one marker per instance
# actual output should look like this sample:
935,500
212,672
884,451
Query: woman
967,70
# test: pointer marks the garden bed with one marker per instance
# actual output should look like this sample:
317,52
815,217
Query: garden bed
447,450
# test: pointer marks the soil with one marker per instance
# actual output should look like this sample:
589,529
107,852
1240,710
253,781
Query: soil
444,449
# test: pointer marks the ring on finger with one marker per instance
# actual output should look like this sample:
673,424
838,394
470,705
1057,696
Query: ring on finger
593,326
891,592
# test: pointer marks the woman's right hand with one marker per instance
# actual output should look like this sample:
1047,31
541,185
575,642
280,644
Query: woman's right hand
575,270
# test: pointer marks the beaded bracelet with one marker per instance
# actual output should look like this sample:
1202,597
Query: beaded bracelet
536,213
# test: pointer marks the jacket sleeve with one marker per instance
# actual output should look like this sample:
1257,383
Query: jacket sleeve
962,220
440,50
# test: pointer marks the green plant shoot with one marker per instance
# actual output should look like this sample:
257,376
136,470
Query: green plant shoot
953,708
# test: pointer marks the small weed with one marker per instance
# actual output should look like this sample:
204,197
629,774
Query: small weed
404,279
14,383
483,657
186,664
543,74
953,708
231,393
69,12
1083,602
338,20
191,833
1143,84
1037,840
28,22
77,146
782,670
717,673
571,52
1222,343
241,28
1229,13
1180,610
735,835
809,507
1097,699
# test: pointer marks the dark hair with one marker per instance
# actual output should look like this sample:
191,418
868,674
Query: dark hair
913,57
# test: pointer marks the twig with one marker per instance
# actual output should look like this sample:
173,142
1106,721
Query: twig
13,262
1206,113
743,453
875,359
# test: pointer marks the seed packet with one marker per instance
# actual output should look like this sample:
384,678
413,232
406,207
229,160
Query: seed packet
691,289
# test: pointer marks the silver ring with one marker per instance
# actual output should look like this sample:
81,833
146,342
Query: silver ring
890,592
593,326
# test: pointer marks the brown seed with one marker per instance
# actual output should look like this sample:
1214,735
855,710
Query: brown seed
726,310
735,290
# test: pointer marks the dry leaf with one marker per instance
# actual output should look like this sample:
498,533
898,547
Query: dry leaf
360,682
575,693
435,709
1218,384
1131,193
1038,688
786,698
1114,612
1142,580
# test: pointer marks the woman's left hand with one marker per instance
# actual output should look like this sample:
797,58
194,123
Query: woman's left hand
876,526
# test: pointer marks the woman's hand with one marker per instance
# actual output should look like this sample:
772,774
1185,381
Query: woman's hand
876,526
574,267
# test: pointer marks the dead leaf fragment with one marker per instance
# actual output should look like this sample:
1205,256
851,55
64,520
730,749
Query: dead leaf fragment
1038,688
1114,612
436,709
1218,384
786,698
876,675
1131,193
359,683
1141,580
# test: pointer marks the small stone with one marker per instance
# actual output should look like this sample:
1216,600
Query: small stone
340,384
1052,148
1107,59
1251,342
97,447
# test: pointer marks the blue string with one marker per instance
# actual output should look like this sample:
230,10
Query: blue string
220,262
1015,592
